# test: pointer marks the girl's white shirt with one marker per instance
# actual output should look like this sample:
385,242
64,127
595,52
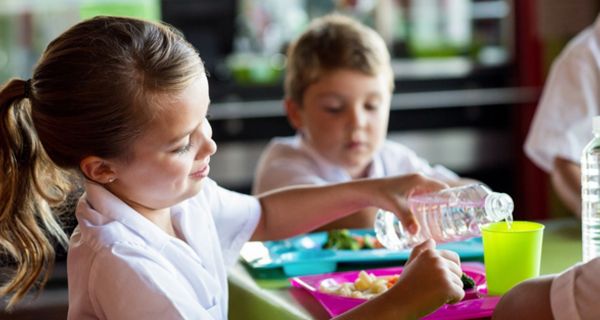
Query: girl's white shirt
562,125
122,266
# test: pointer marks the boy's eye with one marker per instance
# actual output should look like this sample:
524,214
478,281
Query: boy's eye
333,109
372,106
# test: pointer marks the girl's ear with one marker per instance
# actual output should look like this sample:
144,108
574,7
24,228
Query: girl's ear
293,113
98,169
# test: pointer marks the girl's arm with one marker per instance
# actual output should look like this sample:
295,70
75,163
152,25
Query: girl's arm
299,209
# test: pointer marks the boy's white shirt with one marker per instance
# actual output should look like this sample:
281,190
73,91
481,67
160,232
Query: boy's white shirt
562,124
122,266
290,161
574,293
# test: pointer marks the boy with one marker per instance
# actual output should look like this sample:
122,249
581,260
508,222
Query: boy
562,125
338,90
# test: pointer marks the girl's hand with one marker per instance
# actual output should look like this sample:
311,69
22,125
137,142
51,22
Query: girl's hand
293,210
430,279
392,195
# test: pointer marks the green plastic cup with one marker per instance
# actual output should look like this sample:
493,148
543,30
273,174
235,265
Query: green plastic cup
511,255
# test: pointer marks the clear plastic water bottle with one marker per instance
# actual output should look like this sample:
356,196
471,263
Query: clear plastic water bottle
590,194
451,214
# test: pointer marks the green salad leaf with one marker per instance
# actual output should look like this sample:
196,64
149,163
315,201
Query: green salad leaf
468,282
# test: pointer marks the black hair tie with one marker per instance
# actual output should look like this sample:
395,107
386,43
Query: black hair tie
27,90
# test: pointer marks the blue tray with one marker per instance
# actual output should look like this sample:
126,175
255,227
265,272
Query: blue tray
304,255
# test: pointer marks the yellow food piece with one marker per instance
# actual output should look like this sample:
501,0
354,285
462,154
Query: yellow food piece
365,286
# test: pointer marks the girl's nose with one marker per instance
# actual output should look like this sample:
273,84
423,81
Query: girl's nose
208,145
211,146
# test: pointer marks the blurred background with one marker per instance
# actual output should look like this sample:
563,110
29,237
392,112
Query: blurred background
468,77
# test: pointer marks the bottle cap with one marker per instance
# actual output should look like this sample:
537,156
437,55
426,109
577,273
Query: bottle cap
596,125
499,206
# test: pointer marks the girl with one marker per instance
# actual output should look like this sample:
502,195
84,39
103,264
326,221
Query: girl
123,103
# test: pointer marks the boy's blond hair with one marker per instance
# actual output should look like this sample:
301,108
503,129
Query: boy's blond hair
334,42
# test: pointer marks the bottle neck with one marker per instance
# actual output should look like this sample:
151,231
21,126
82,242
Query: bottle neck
498,206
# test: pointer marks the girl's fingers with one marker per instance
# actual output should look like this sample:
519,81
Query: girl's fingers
425,245
450,255
452,264
428,185
423,185
407,218
457,293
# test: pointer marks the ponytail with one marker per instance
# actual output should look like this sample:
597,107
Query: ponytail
30,185
93,92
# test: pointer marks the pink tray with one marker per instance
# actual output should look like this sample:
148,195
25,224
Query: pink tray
476,303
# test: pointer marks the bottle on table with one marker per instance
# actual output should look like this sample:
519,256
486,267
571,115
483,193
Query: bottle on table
448,215
590,194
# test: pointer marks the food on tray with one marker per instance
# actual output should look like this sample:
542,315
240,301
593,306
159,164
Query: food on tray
468,282
366,286
342,239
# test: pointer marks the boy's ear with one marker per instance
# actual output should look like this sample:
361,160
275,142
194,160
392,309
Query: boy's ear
98,169
293,113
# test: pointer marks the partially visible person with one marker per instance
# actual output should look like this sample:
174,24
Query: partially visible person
572,294
338,89
562,124
122,104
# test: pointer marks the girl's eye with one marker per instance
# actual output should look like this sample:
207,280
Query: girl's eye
184,149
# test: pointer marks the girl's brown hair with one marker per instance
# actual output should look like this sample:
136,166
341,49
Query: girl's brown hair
93,92
334,42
